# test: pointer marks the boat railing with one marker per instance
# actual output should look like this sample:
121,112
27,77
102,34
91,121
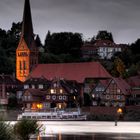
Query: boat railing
54,110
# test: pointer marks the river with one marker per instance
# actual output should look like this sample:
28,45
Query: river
89,130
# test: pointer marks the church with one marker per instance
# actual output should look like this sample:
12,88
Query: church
28,67
27,59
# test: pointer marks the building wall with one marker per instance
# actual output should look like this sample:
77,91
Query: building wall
22,61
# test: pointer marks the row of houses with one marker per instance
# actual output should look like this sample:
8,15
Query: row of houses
64,85
41,93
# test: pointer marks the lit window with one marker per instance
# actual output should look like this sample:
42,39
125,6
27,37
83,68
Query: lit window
52,91
118,90
33,86
39,106
29,97
113,82
97,89
54,84
26,86
40,86
25,98
61,90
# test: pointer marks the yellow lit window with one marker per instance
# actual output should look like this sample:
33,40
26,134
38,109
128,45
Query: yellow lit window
52,91
61,90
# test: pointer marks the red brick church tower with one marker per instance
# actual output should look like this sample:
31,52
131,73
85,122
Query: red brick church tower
27,52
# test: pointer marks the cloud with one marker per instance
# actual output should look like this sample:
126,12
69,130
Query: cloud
85,16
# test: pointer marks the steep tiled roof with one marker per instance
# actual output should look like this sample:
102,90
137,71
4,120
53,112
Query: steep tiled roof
36,92
105,43
40,80
71,71
134,81
88,47
123,85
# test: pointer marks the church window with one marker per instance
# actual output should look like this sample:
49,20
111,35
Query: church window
24,65
20,65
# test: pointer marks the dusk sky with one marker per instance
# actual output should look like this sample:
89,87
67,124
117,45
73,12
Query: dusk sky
121,17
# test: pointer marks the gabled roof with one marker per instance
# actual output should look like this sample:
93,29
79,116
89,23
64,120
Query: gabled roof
27,27
40,80
105,43
123,85
71,71
88,47
35,92
68,86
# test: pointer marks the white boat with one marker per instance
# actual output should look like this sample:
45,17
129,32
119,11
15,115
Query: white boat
55,115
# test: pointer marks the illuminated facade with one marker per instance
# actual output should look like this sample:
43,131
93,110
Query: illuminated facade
27,52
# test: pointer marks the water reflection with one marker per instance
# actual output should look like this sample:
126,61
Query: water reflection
96,136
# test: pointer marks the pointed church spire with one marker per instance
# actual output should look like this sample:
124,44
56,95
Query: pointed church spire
27,27
26,52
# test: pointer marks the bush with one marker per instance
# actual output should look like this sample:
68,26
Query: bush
6,131
24,128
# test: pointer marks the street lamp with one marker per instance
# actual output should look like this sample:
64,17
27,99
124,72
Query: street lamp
119,112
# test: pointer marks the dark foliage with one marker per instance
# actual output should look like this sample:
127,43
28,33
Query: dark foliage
64,43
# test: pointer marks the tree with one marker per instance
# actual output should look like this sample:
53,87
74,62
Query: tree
104,35
125,56
8,44
135,47
24,128
38,41
47,41
119,66
64,43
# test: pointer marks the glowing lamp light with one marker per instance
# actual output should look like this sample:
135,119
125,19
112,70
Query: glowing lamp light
119,111
59,106
39,106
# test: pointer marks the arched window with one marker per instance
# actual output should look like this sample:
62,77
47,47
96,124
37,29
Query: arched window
20,65
24,65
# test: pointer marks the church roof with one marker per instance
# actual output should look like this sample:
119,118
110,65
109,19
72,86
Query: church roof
71,71
27,27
